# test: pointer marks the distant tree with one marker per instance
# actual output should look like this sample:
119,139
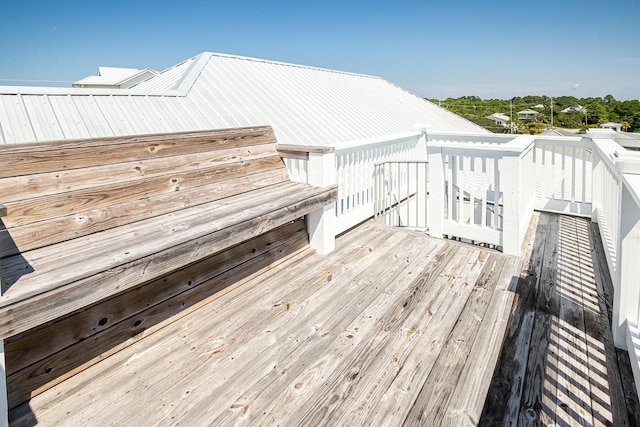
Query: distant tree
597,113
610,102
599,110
488,124
629,111
562,102
570,119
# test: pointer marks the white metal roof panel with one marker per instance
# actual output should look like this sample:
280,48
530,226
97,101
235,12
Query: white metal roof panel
168,79
109,76
305,105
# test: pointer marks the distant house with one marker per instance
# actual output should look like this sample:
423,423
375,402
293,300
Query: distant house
527,115
538,107
304,105
578,108
611,125
115,78
499,118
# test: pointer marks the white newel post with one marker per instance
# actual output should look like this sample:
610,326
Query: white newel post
596,183
421,146
627,295
510,180
320,223
436,191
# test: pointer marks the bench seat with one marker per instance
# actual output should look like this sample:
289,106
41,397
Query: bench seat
89,226
46,283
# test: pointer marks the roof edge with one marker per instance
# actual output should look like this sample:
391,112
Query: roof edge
289,64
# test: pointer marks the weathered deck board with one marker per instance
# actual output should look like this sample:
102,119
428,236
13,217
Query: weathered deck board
421,319
393,328
508,381
558,364
438,388
469,395
624,401
311,339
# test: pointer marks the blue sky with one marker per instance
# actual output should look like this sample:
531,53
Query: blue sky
436,49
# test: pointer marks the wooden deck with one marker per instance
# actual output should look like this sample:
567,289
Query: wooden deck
558,364
392,328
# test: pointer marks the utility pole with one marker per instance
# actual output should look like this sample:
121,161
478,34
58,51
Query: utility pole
552,112
586,123
511,114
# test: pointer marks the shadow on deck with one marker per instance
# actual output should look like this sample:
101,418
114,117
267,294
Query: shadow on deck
558,364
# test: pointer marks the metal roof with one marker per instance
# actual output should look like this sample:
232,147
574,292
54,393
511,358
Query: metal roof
115,77
305,105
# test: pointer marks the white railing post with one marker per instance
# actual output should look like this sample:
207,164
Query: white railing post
597,181
510,180
420,152
435,191
626,297
320,223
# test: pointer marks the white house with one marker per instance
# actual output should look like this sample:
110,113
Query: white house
304,105
115,78
499,118
611,125
527,115
578,108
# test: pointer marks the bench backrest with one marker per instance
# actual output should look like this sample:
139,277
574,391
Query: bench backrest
58,191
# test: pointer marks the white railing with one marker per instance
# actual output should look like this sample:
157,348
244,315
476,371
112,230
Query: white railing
400,194
481,191
351,166
607,197
355,174
484,188
616,209
563,174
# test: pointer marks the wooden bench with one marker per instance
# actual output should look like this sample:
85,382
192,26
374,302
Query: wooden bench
96,232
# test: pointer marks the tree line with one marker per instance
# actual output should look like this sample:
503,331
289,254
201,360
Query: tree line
598,111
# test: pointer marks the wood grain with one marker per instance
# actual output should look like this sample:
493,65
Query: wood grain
355,337
26,187
54,353
584,382
538,397
431,403
33,158
107,240
81,223
25,350
93,278
70,202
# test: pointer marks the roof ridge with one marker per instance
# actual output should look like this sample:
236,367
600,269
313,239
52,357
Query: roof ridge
289,64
